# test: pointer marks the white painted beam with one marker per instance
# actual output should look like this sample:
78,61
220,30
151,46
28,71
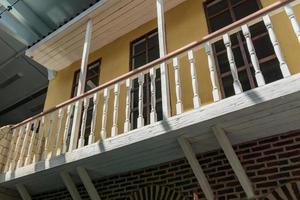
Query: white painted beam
197,169
234,161
162,52
88,184
70,185
23,192
81,85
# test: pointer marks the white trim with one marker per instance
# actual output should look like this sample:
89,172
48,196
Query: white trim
88,184
67,179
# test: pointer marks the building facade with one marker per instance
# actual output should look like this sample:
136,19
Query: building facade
173,99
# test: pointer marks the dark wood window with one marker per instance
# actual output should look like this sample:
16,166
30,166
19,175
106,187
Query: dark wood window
220,13
144,50
92,81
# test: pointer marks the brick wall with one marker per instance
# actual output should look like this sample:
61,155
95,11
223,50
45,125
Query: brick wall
269,162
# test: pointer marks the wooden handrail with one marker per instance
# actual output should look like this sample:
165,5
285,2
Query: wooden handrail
156,62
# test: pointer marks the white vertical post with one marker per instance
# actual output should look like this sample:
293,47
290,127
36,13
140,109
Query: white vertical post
67,179
31,144
104,113
11,149
88,183
290,13
48,135
24,145
17,148
236,82
283,66
114,129
212,71
66,131
179,107
140,120
23,192
162,52
94,119
254,60
38,148
196,97
153,114
234,161
81,86
127,125
57,132
86,103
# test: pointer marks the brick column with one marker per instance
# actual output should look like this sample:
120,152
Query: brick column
5,138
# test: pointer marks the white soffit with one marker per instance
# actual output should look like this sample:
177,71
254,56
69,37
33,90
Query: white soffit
111,20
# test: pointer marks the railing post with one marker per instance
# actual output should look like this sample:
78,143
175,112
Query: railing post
24,146
31,144
258,74
212,72
57,132
236,82
86,103
127,124
11,149
64,145
114,129
94,119
38,148
290,13
162,52
153,114
104,113
81,86
283,66
179,107
18,145
140,120
196,98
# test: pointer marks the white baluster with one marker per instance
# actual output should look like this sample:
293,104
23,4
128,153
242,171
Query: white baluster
94,119
114,129
11,149
57,132
127,109
179,106
236,82
283,66
196,97
290,13
104,113
258,74
140,120
212,71
17,149
31,144
37,153
86,103
48,134
24,145
67,127
153,114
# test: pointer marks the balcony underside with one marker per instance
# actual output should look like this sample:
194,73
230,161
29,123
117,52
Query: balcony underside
261,112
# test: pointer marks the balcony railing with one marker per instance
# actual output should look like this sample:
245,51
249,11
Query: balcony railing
47,135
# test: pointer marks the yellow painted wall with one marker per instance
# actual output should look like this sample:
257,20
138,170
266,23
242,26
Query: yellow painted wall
184,24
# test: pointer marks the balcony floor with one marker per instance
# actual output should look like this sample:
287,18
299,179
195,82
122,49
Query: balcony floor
261,112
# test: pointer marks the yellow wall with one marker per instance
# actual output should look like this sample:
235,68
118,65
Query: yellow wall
184,24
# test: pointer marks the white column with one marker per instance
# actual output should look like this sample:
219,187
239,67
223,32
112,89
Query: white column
114,129
17,148
290,13
254,60
283,66
38,148
179,106
153,114
163,67
104,113
31,144
67,179
66,131
127,125
140,120
81,86
88,183
94,119
57,132
86,103
11,149
196,167
236,82
234,161
212,71
196,97
48,135
24,145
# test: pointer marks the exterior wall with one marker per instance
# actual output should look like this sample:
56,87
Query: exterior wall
269,162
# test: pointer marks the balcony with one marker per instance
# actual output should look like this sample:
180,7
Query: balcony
46,144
